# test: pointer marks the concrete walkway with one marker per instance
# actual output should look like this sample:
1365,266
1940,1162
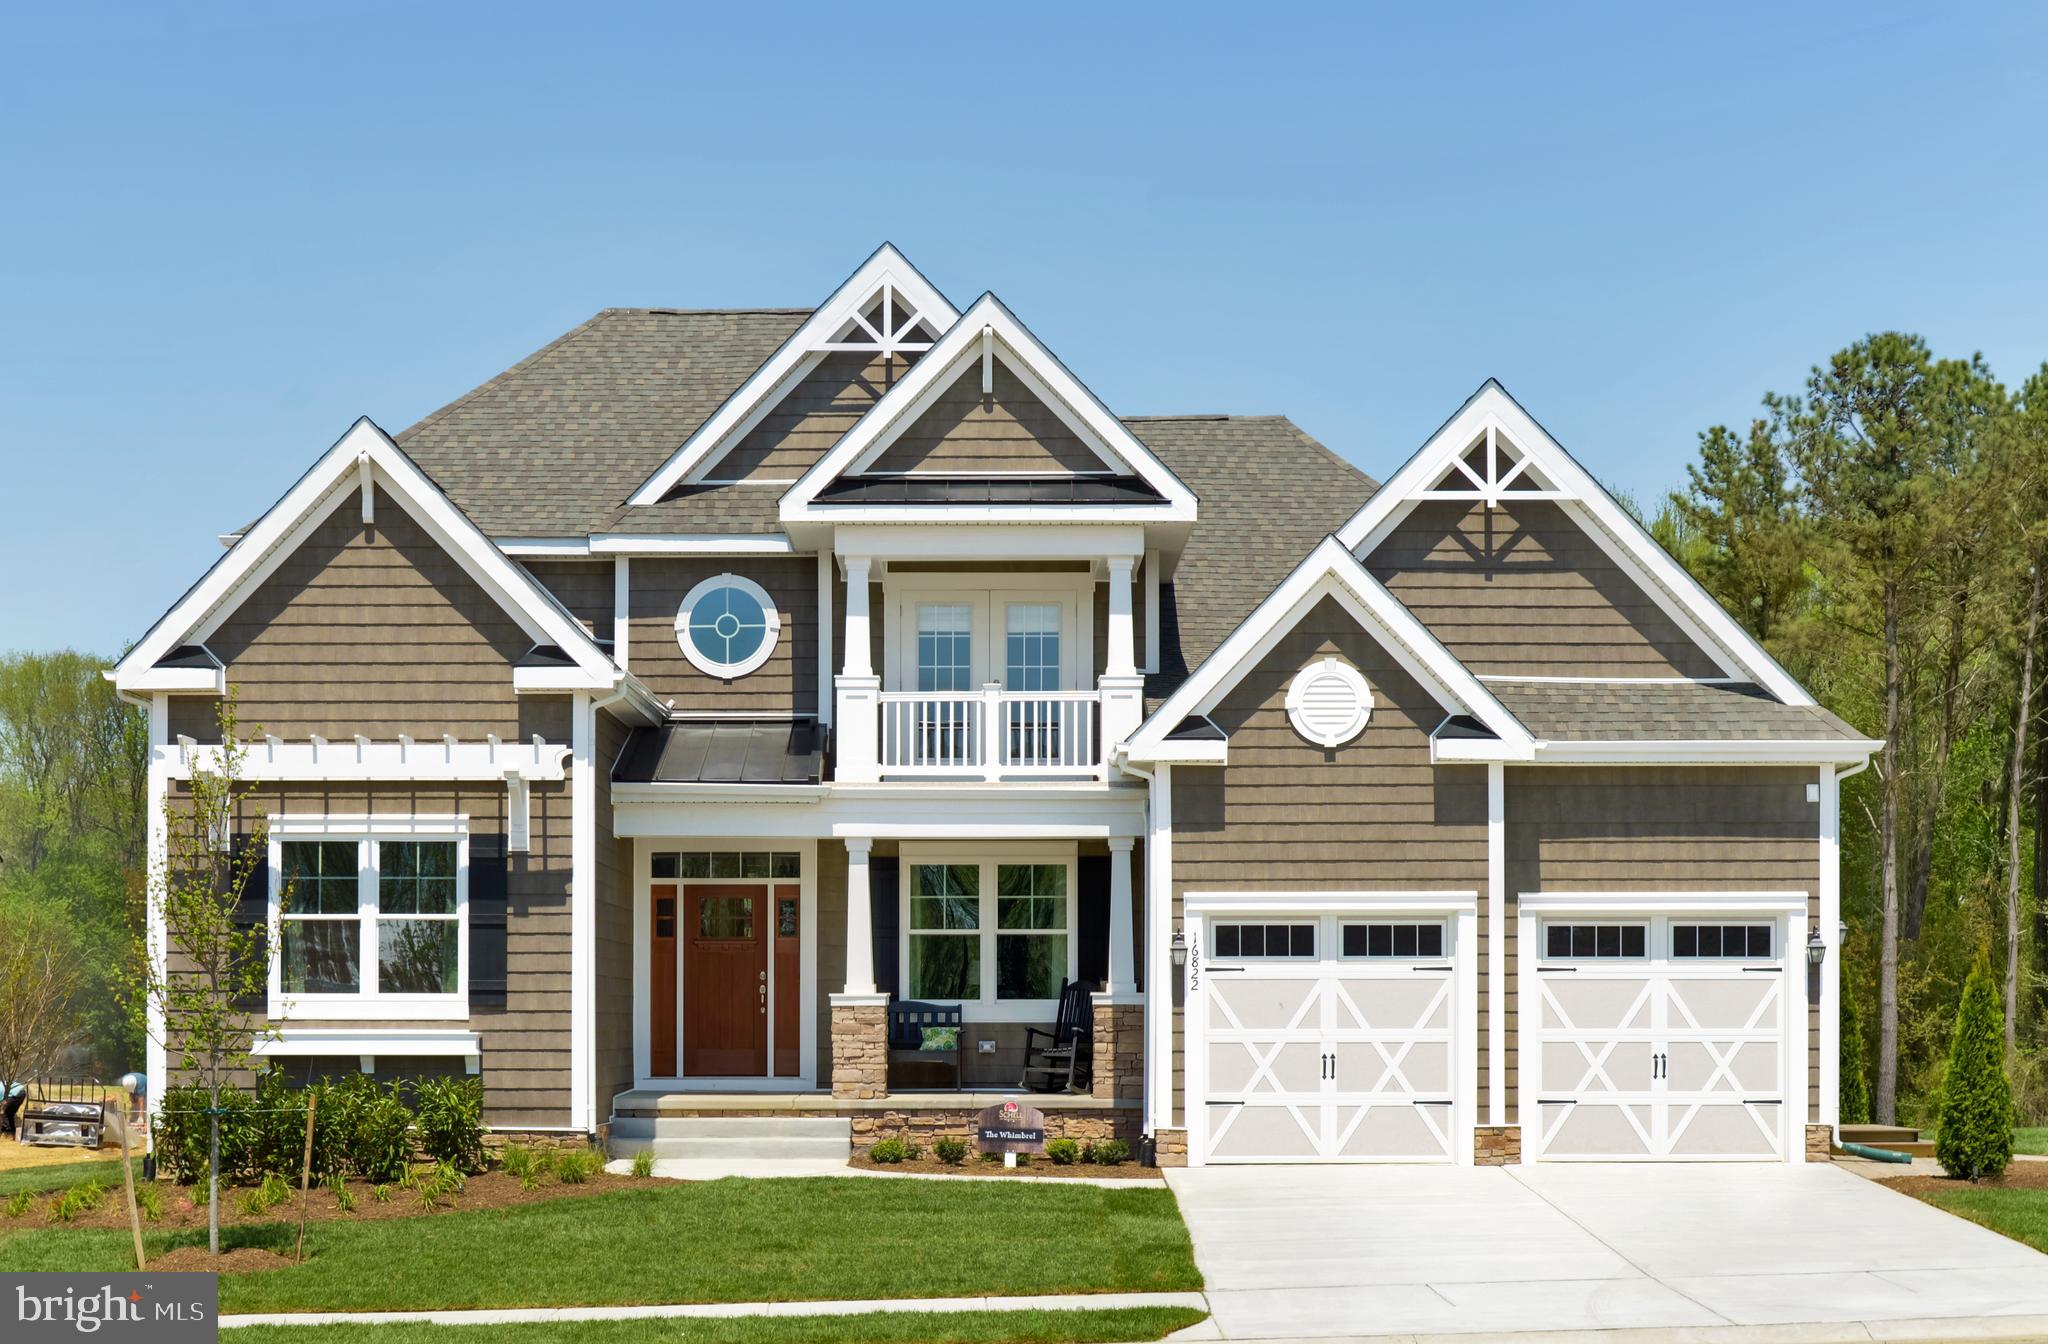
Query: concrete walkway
702,1310
1733,1251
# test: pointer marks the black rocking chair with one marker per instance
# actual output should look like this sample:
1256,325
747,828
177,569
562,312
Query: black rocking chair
1062,1064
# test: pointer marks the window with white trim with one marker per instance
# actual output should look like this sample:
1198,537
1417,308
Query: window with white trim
727,626
993,934
1595,942
1750,942
370,918
1393,940
1263,942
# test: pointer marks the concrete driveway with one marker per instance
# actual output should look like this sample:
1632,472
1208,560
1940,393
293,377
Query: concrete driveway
1317,1252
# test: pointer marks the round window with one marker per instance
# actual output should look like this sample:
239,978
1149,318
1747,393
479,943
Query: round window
1329,703
727,626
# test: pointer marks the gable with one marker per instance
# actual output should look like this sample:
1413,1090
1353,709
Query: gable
1521,590
372,629
824,404
1005,429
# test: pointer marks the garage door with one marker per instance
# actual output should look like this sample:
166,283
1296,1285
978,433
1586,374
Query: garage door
1326,1038
1659,1037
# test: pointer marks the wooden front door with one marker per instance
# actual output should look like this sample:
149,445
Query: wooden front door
725,980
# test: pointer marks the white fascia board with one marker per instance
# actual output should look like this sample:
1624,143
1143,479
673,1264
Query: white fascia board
548,679
203,680
276,759
1708,751
622,543
409,1043
1723,637
1063,393
544,546
1332,571
325,487
1184,753
950,811
1343,902
1091,538
1662,902
730,421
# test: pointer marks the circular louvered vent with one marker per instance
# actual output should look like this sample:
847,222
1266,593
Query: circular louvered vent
1328,703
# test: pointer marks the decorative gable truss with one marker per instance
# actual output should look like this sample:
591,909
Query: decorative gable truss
1487,731
886,307
172,657
1493,452
990,344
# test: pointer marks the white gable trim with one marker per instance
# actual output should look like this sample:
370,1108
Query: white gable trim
335,481
1491,411
1331,571
990,330
794,360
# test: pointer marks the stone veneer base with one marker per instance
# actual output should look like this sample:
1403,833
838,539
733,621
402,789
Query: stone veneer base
1820,1143
1497,1145
1169,1147
860,1046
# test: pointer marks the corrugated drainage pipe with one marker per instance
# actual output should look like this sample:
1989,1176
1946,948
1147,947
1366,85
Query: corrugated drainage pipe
1875,1154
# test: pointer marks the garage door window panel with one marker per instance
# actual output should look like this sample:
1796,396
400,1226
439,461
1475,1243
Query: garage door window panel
1264,942
1378,941
1596,942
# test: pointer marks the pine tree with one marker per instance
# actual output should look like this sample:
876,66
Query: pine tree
1976,1104
1855,1103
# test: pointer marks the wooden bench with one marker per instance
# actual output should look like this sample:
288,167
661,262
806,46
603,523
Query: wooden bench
910,1064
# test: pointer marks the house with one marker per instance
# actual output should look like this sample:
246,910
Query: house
634,729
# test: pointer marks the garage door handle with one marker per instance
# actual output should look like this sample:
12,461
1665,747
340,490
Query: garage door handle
1429,968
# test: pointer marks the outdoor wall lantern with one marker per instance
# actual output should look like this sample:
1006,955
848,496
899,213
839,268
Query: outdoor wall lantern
1816,950
1180,950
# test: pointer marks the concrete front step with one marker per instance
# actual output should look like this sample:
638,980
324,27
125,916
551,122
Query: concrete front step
738,1138
1879,1135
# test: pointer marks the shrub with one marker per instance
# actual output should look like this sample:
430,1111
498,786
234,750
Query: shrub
952,1152
382,1142
575,1166
446,1180
381,1193
518,1160
149,1200
1975,1139
1108,1152
1062,1152
277,1129
643,1163
344,1200
81,1198
19,1204
335,1122
181,1135
450,1114
1855,1103
888,1152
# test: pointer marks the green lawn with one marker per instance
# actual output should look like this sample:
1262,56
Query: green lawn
2019,1214
61,1175
964,1327
723,1241
2033,1141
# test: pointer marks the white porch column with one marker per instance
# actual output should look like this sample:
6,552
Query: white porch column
856,714
860,923
1122,945
1496,944
1122,689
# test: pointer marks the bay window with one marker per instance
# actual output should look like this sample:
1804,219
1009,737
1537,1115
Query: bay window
994,934
371,923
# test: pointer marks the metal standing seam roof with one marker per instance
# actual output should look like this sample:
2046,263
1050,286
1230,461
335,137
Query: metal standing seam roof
723,751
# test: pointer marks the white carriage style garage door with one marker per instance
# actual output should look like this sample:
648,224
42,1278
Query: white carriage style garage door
1326,1037
1661,1036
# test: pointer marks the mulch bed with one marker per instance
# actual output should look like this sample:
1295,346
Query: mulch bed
195,1260
185,1205
2018,1176
1038,1166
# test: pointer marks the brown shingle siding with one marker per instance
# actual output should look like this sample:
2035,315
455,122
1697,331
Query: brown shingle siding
786,684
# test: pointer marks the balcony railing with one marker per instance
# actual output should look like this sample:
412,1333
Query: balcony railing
990,734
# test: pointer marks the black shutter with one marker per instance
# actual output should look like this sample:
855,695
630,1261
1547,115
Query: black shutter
1091,919
885,876
252,910
489,898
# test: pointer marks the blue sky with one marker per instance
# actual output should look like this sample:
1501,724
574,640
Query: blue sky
227,231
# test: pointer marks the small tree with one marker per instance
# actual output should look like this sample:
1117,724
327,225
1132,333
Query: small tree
1976,1103
40,975
203,959
1855,1099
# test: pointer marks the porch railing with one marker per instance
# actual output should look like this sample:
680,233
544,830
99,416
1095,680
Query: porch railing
991,733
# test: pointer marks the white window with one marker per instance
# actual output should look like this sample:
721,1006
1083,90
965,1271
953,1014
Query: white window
727,626
1033,647
945,646
947,638
1397,941
994,934
1595,942
1263,942
372,918
1746,942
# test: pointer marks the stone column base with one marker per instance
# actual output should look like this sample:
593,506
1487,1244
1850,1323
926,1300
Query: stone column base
1169,1147
1820,1143
860,1046
1118,1066
1497,1145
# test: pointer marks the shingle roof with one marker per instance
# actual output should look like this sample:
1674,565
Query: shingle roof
1655,711
553,446
1268,493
